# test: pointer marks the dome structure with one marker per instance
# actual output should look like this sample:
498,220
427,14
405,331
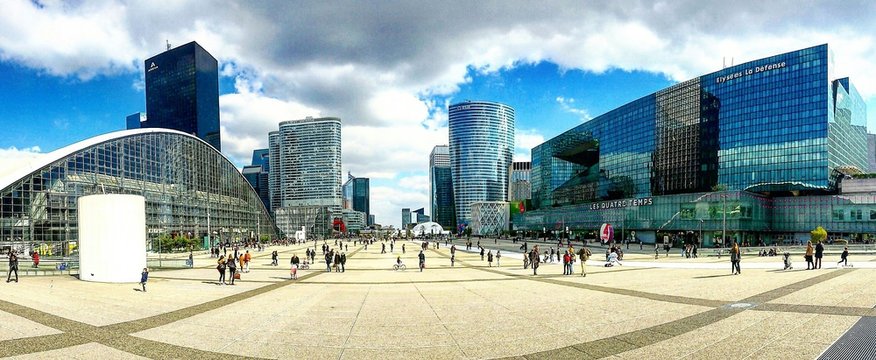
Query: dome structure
427,228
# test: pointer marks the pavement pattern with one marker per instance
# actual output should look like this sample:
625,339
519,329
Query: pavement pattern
669,308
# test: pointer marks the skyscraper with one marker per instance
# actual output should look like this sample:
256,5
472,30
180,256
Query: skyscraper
481,148
133,121
441,206
519,185
257,175
305,172
182,92
357,195
406,218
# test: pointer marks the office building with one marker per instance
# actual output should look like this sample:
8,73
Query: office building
176,173
305,171
420,215
182,92
441,206
519,185
481,147
757,151
134,120
357,195
406,218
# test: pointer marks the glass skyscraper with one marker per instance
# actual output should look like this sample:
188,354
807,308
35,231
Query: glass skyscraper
357,196
481,150
442,208
771,131
305,171
182,92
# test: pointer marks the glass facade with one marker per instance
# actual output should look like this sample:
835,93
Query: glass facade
442,209
778,126
357,196
305,172
187,185
481,149
182,92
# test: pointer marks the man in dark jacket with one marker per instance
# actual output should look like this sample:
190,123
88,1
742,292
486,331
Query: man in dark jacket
343,261
13,266
422,258
534,260
819,253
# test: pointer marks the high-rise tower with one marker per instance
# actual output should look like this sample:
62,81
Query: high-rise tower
481,149
182,92
441,207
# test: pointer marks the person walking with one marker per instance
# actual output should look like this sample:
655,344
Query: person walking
584,255
328,262
36,259
422,258
293,270
534,260
403,248
383,248
232,269
246,258
337,262
482,253
819,253
144,276
844,257
13,266
735,257
498,257
809,254
343,262
490,258
220,266
274,258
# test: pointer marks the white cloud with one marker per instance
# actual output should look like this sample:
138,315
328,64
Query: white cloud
387,202
13,160
524,141
568,105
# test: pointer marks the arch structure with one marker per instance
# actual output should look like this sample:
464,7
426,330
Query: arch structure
427,228
188,186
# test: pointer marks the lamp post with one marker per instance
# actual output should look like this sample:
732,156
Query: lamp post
700,240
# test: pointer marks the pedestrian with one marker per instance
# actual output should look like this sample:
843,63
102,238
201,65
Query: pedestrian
534,260
403,248
343,262
584,255
328,262
13,266
735,258
232,269
490,258
482,252
391,246
36,259
274,258
498,257
422,258
144,276
337,261
844,257
383,248
809,254
220,266
819,253
567,264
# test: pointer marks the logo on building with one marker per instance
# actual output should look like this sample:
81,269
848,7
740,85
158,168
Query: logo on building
152,67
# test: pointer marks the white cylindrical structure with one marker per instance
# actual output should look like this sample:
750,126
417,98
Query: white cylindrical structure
112,237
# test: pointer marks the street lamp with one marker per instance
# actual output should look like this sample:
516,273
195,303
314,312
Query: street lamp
700,240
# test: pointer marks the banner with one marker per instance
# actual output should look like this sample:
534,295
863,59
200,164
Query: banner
606,232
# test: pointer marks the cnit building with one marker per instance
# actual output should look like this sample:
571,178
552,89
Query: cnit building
760,150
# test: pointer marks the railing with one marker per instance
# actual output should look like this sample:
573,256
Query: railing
168,263
47,266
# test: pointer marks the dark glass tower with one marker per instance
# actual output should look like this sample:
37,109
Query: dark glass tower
182,92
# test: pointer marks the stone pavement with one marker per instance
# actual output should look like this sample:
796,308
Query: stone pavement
470,311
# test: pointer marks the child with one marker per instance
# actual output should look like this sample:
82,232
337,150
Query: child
294,272
144,276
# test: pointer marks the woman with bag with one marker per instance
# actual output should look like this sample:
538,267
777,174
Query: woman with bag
735,257
809,252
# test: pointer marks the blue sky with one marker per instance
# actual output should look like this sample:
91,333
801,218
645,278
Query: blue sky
69,71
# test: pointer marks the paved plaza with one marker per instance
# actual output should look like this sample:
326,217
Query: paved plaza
667,308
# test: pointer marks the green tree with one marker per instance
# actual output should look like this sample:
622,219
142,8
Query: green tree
818,235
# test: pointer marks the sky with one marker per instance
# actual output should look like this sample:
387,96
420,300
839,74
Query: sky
70,70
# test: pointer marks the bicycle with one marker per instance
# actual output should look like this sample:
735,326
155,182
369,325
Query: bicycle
304,266
398,267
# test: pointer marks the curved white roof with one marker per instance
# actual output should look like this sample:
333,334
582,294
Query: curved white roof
36,163
430,227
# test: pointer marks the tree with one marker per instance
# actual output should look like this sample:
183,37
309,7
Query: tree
818,235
